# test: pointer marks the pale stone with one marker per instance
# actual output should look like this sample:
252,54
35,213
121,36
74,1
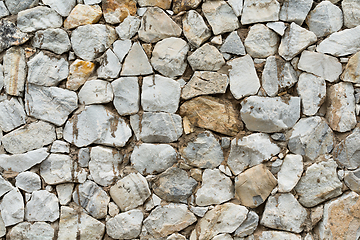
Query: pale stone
36,231
1,77
295,11
14,71
84,157
115,11
110,65
351,9
278,27
3,10
195,28
233,44
43,206
125,225
95,92
237,6
91,2
28,181
128,28
23,162
290,172
207,58
63,7
82,15
184,5
126,95
176,236
5,186
352,180
164,4
248,226
12,207
79,72
121,48
136,62
64,192
12,114
272,235
113,209
347,151
223,236
260,11
16,6
351,72
199,211
60,147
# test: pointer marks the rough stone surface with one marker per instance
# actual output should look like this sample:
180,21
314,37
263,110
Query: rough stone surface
136,62
183,5
195,29
126,95
10,35
233,44
64,192
295,11
351,72
278,27
96,92
115,11
28,181
125,225
110,65
23,162
346,152
14,80
351,13
290,172
12,208
128,28
121,48
255,11
248,226
79,72
5,186
36,231
16,6
43,206
62,7
206,58
270,235
12,114
82,15
53,39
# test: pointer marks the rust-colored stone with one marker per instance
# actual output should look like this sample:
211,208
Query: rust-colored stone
80,71
184,5
82,15
115,11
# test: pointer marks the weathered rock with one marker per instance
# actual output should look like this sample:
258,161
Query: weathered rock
95,92
351,72
115,11
237,6
271,235
253,186
10,35
130,191
84,157
3,10
97,124
16,6
233,45
40,103
243,77
102,36
5,186
213,114
23,162
324,19
91,2
128,28
12,114
79,72
126,95
82,15
290,172
114,209
136,62
195,28
64,192
157,127
260,11
352,180
250,151
36,231
1,77
14,71
176,236
12,207
248,226
351,13
206,58
164,4
157,25
59,146
63,7
125,225
278,27
184,5
28,181
153,158
346,153
43,206
53,39
109,65
295,11
121,48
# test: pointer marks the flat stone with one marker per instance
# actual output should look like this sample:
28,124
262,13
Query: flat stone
28,181
16,6
43,206
125,225
206,58
102,36
23,162
250,151
261,42
352,180
176,236
92,198
157,25
12,114
62,7
184,5
153,158
253,186
1,77
5,186
237,6
10,35
91,2
290,172
12,207
79,72
255,11
157,127
248,226
351,13
104,165
225,218
64,192
351,72
114,209
36,231
347,151
128,28
213,114
84,157
3,10
326,18
83,15
14,71
270,235
233,44
121,48
95,92
39,103
126,95
195,28
110,65
115,11
311,137
278,27
295,11
59,146
130,191
164,4
319,183
270,114
97,124
47,71
136,62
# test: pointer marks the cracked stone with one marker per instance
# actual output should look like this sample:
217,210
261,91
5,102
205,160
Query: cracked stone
15,6
12,114
207,58
115,11
12,207
23,162
82,15
10,35
43,206
195,28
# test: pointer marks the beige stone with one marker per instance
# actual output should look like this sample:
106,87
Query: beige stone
164,4
82,15
79,72
184,5
115,11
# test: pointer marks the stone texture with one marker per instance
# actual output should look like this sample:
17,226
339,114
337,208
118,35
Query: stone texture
352,180
164,4
125,225
128,28
184,5
255,11
15,6
3,10
82,15
121,48
23,162
53,39
10,35
248,226
95,92
290,172
14,80
351,71
110,65
233,44
126,95
12,208
63,7
346,152
195,28
351,13
136,62
59,146
270,235
5,186
43,206
28,181
79,72
12,114
36,231
64,192
115,11
295,11
84,157
278,27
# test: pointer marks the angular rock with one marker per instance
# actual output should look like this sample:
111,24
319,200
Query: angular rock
153,158
28,181
351,11
351,72
14,71
3,10
248,226
346,153
121,48
136,62
82,15
164,4
290,172
23,162
126,95
5,186
206,58
10,35
195,28
1,77
184,5
12,208
59,146
16,6
79,72
43,206
278,27
63,7
260,11
53,39
233,45
250,151
128,28
36,231
115,11
237,6
130,191
91,2
64,192
271,235
295,11
104,165
352,180
95,92
125,225
12,114
110,65
84,157
253,186
270,114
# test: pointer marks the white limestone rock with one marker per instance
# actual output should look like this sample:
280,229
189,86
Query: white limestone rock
126,95
351,9
248,226
113,209
295,11
5,186
43,206
23,162
128,28
199,211
206,58
63,7
195,28
352,70
255,11
64,192
12,207
28,181
59,146
53,39
96,92
271,235
243,77
91,2
176,236
233,44
84,157
14,71
1,77
278,27
110,65
352,180
250,151
237,6
125,225
290,172
36,231
346,152
121,48
136,62
3,10
12,114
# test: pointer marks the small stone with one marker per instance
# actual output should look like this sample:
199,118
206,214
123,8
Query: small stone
3,10
278,27
128,28
83,15
60,147
5,186
113,209
184,5
195,28
15,6
250,151
110,65
79,72
115,11
352,180
237,6
64,192
253,186
248,226
14,81
290,173
176,236
95,92
126,95
207,58
10,35
351,72
23,162
213,114
136,62
233,45
295,11
351,13
164,4
28,181
43,206
91,2
121,48
125,225
223,236
347,151
84,157
63,7
36,231
199,211
278,137
141,11
12,114
157,25
260,11
12,208
271,235
130,191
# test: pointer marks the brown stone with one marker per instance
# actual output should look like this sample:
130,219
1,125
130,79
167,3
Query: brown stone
82,15
253,186
213,114
115,11
164,4
79,72
184,5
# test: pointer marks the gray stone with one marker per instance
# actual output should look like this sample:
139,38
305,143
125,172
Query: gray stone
125,225
126,95
237,6
14,80
91,2
206,58
136,62
10,35
121,48
64,192
12,208
28,181
351,9
351,72
23,162
271,235
248,226
233,44
43,206
128,28
346,153
110,65
96,92
84,157
63,7
28,231
295,11
16,6
199,211
3,10
352,180
12,114
255,11
195,28
59,146
278,27
290,173
5,186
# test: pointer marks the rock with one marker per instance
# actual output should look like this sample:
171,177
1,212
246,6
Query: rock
115,11
213,114
311,137
83,15
295,11
121,48
136,62
126,95
10,35
333,226
79,72
319,183
36,231
38,18
199,211
271,235
128,28
62,7
225,218
16,6
39,103
60,147
224,236
5,186
290,173
277,75
206,58
165,4
1,77
270,114
91,2
97,124
160,94
248,226
95,92
326,18
77,224
195,28
110,65
346,152
84,157
351,13
352,180
12,207
3,10
125,225
23,162
312,91
176,236
104,165
169,57
351,72
341,43
92,198
233,44
174,185
294,41
102,36
157,25
12,114
260,11
237,6
14,71
28,181
114,209
153,158
130,191
278,27
43,206
64,192
165,220
341,110
216,188
47,71
157,127
253,186
184,5
261,42
250,151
